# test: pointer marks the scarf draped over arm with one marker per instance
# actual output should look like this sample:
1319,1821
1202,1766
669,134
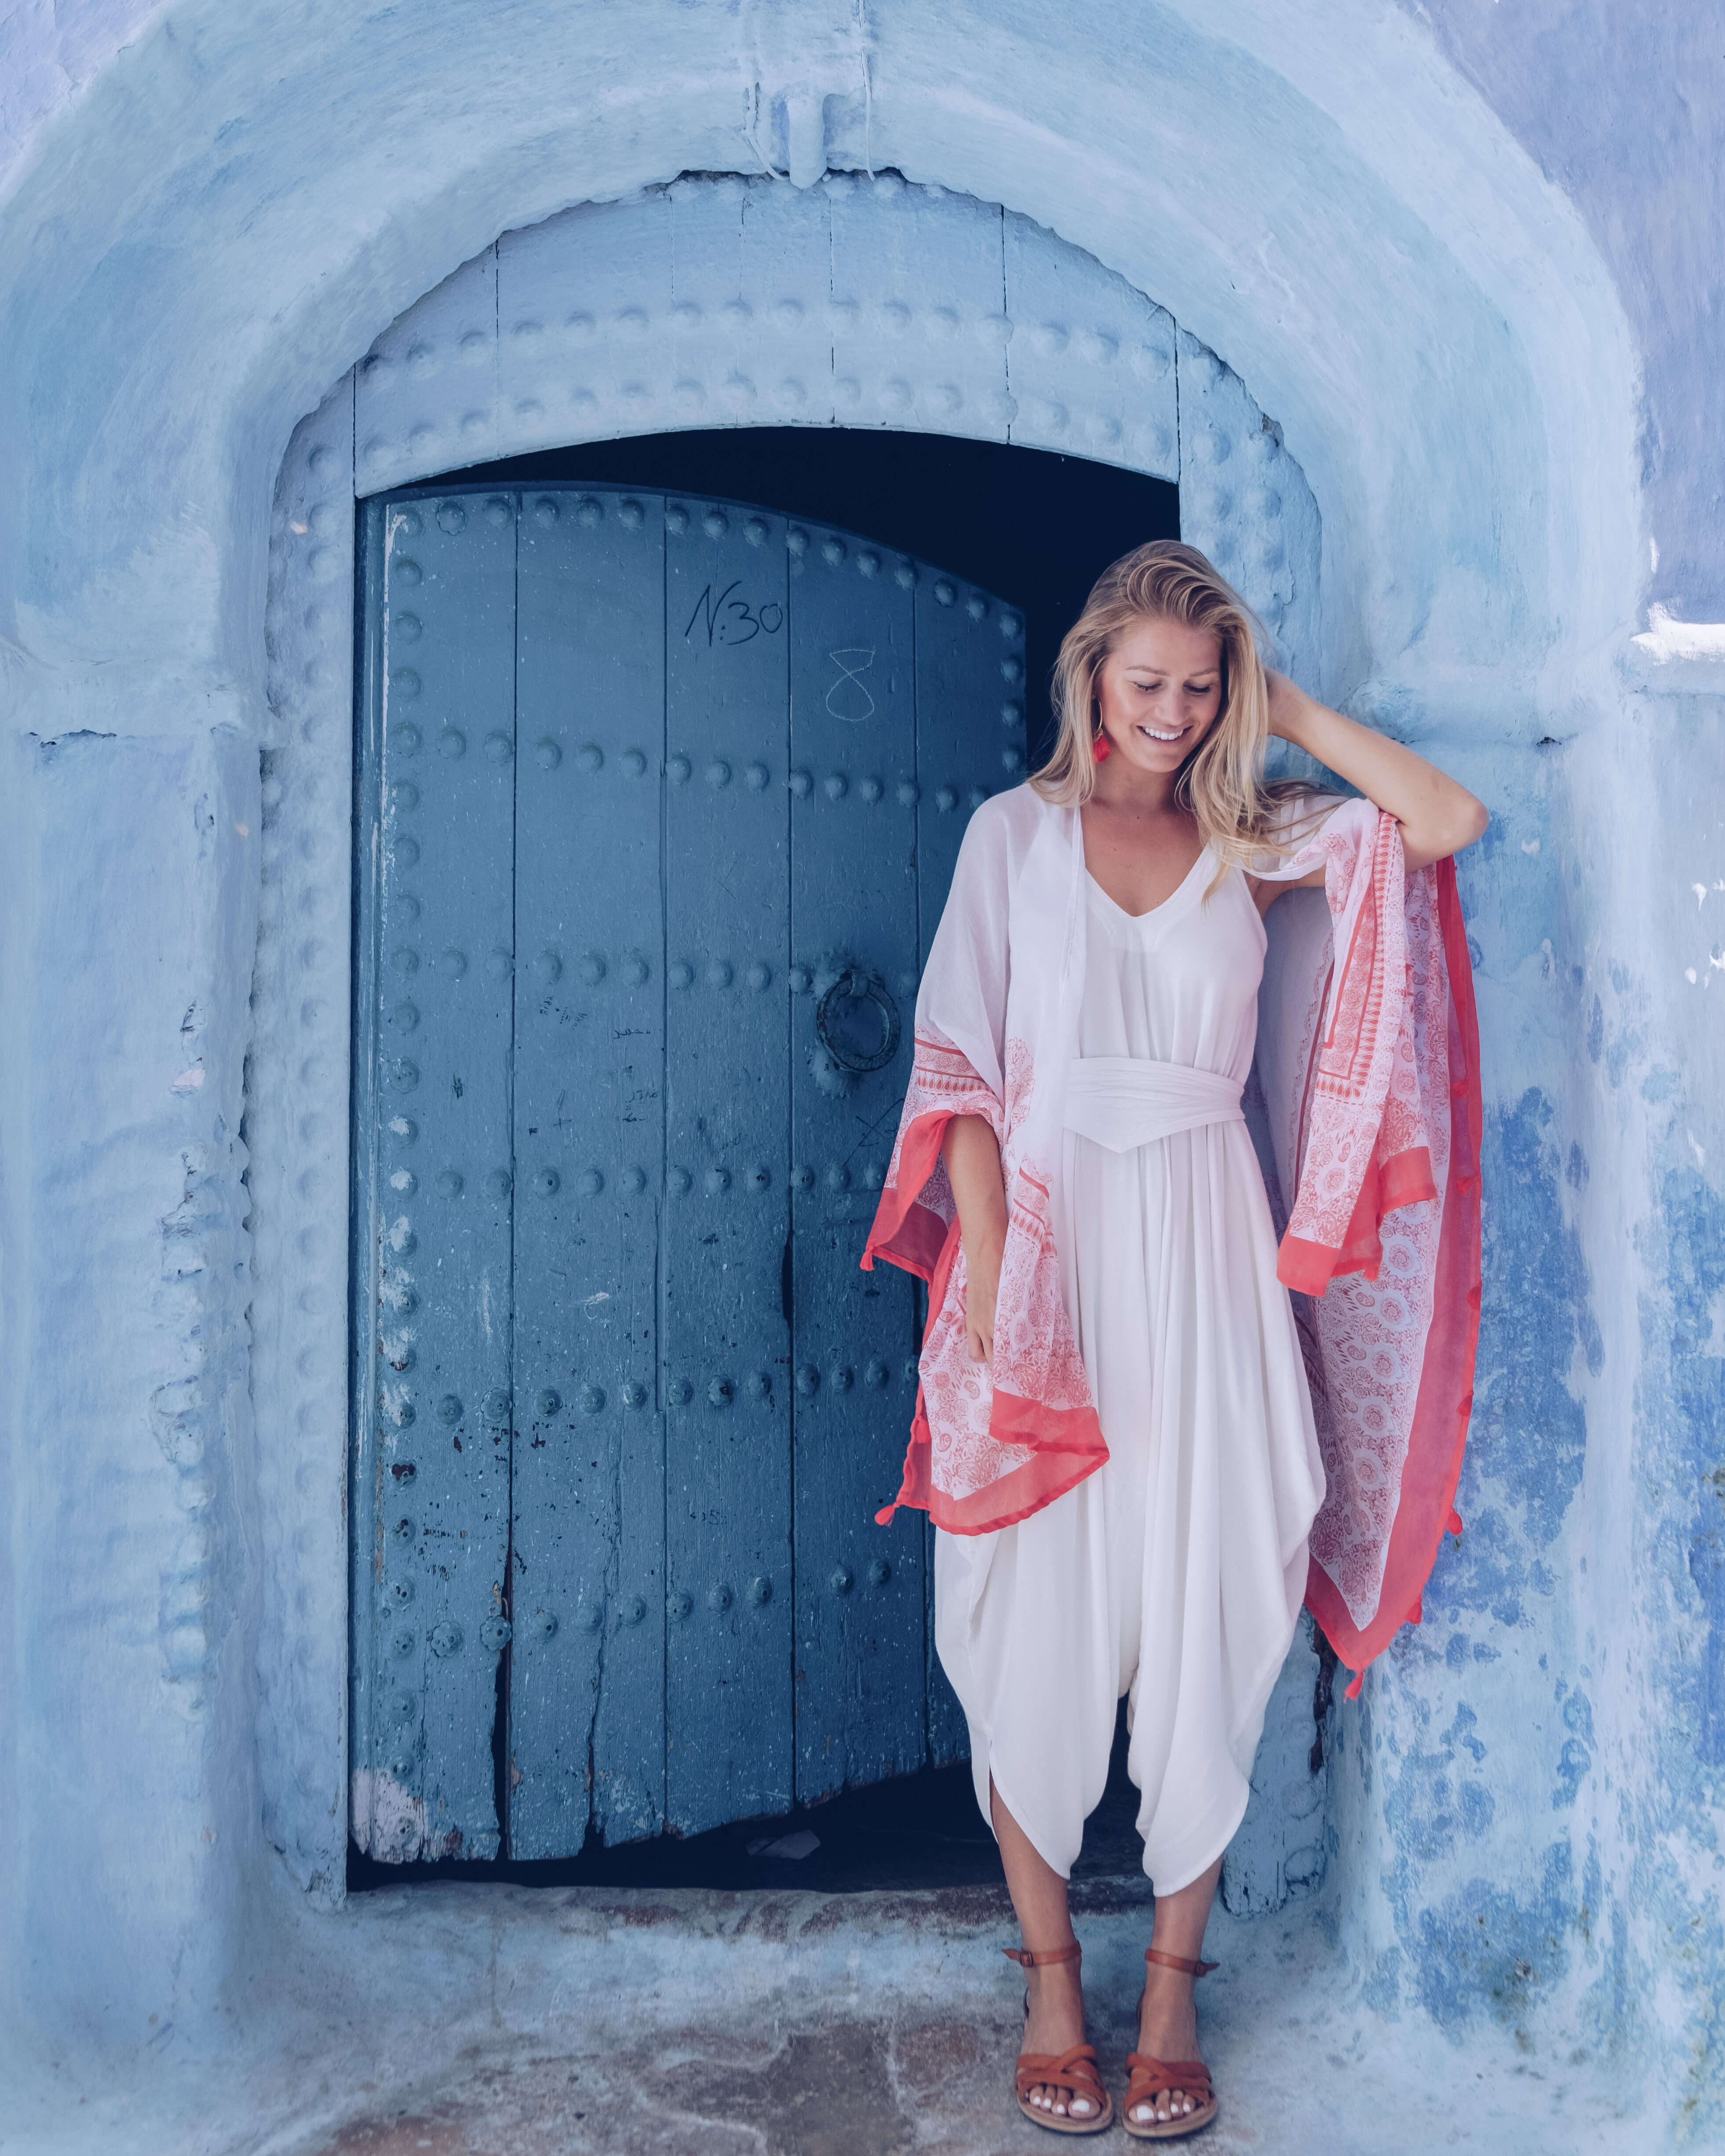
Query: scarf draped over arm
1368,1058
991,1442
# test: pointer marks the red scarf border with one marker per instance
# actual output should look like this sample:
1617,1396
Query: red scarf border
1432,1469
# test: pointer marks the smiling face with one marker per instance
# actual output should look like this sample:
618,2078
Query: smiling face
1160,689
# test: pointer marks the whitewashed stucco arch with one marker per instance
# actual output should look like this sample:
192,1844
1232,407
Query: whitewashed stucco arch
1422,313
860,302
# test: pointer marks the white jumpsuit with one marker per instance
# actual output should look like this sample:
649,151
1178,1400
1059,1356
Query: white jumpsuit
1173,1575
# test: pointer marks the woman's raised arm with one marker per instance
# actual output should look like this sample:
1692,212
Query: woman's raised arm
1437,816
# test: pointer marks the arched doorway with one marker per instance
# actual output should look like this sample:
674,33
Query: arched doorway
966,319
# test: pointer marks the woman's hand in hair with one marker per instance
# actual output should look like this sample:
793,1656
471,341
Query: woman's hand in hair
1285,698
1438,817
973,1158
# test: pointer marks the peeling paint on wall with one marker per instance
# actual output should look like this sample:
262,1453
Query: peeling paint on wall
1692,1216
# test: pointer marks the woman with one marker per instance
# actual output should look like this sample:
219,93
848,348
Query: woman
1114,1434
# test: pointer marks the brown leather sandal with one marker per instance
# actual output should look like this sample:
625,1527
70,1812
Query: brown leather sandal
1150,2078
1070,2073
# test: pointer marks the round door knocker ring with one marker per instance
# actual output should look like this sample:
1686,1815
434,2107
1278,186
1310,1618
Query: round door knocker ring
855,986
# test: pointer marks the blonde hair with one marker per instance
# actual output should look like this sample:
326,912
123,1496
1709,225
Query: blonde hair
1221,784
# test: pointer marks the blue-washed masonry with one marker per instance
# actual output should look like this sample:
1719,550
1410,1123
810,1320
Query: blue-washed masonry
1536,1788
1467,258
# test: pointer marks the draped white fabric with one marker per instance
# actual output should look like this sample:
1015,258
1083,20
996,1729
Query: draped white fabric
1121,1102
1175,1574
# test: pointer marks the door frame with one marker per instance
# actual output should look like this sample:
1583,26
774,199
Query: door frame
966,319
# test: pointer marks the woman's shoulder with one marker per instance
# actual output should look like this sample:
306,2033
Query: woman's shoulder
1012,820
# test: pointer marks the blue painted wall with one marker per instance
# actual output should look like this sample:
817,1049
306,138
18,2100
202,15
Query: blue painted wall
1619,108
1468,257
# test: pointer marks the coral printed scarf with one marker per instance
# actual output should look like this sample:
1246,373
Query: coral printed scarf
1368,1062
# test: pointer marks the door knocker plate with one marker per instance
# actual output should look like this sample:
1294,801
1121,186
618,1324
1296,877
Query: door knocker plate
835,1025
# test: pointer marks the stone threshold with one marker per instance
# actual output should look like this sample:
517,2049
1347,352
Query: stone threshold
502,2020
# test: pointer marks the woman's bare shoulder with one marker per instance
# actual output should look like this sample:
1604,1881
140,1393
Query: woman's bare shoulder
1017,813
1007,822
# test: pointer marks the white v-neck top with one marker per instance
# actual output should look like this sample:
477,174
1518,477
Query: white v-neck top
1179,984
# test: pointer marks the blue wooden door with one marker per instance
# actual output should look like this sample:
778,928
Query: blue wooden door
659,803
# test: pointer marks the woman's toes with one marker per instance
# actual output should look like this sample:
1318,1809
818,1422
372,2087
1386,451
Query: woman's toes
1080,2107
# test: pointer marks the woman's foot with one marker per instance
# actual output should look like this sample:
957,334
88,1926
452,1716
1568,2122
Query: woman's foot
1055,2023
1053,2046
1168,2028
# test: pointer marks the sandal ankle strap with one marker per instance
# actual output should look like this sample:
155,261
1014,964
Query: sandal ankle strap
1025,1959
1194,1969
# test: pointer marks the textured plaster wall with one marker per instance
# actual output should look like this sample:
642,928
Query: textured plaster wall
132,872
1621,106
1466,257
1537,1793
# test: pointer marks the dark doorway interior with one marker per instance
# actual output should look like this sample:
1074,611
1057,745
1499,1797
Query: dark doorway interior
922,1830
1037,528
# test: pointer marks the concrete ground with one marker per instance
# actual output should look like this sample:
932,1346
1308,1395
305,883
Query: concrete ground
501,2020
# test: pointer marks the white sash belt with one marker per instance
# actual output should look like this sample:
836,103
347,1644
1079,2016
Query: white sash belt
1122,1102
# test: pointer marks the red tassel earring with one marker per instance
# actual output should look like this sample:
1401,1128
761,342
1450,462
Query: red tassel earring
1100,748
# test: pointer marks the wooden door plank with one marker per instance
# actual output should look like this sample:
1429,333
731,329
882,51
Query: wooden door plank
726,1337
970,743
432,1396
970,724
587,1727
854,779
